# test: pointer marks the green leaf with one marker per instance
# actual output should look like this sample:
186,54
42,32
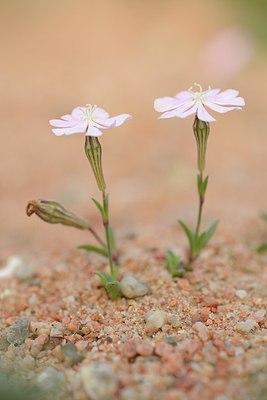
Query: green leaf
202,185
209,233
94,249
173,265
262,248
114,290
111,286
200,242
189,234
100,207
264,216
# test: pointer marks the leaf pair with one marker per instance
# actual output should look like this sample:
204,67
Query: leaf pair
174,265
198,242
202,186
110,283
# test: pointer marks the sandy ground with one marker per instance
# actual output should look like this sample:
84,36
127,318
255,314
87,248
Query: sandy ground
122,55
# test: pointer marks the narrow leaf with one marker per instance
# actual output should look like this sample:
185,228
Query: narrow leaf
189,235
173,265
200,242
113,289
94,249
100,207
105,279
210,232
204,185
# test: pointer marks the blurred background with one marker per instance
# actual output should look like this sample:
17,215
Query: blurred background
121,55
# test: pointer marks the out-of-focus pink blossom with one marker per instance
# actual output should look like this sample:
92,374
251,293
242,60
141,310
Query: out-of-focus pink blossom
189,102
226,54
90,120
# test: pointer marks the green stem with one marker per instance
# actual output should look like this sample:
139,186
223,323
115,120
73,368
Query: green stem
107,231
200,208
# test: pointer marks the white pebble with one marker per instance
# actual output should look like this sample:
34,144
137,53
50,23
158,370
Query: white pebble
99,380
241,294
12,265
246,326
157,318
132,286
202,331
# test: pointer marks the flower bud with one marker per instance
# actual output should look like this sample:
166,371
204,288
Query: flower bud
201,132
54,213
93,152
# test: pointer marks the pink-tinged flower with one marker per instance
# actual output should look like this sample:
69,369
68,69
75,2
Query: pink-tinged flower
189,102
90,120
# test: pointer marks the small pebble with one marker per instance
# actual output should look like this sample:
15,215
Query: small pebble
18,332
13,263
133,286
57,330
128,349
174,321
202,331
38,344
241,294
40,328
246,326
99,380
24,272
144,349
156,319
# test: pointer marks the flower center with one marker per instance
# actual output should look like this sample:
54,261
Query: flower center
88,113
198,96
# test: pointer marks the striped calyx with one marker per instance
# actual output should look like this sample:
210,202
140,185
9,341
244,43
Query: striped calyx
201,132
93,152
54,213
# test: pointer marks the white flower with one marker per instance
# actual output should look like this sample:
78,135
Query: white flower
189,102
90,120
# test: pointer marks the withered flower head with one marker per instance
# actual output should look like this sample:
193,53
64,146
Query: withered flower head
55,213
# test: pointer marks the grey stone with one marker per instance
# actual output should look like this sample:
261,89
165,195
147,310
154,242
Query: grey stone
71,354
99,380
132,286
53,383
18,332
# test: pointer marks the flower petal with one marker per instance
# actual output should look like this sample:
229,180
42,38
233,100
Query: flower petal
168,114
184,96
165,104
203,114
184,114
113,122
93,131
219,108
100,113
236,101
79,128
59,123
228,94
78,113
179,111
